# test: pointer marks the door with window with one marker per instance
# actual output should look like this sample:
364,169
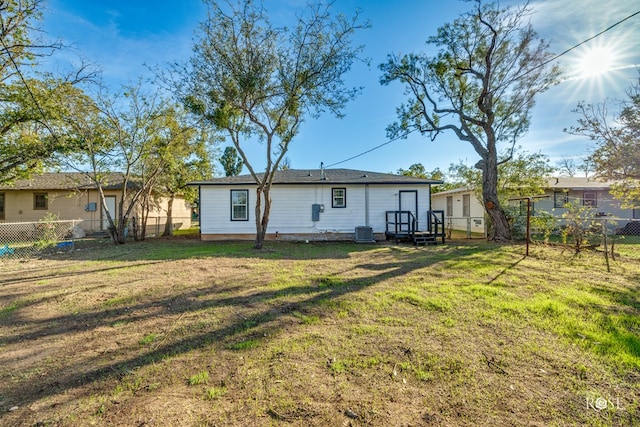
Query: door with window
110,204
408,202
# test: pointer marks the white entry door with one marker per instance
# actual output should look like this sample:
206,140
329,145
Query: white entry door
409,202
110,203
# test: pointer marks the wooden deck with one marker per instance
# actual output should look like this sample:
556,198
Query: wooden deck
403,226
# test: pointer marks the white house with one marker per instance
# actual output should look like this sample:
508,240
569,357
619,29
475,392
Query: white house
320,204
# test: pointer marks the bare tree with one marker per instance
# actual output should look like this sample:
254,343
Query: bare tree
481,86
257,82
616,155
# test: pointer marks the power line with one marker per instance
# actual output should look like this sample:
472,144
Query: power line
578,45
529,71
372,149
29,91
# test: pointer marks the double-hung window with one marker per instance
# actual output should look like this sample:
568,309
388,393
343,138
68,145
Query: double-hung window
239,205
338,197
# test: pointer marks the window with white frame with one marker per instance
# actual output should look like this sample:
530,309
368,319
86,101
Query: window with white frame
338,197
239,205
449,205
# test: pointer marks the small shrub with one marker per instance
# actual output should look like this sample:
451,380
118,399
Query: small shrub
216,392
47,235
148,339
199,378
580,225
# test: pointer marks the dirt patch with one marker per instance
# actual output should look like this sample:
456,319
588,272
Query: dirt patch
176,332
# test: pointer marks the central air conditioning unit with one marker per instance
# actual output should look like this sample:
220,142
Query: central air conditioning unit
364,234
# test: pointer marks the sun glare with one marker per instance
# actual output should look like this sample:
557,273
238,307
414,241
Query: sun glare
596,61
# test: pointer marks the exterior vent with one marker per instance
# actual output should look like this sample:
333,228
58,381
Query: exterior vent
364,235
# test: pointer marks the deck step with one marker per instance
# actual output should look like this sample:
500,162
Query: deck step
424,239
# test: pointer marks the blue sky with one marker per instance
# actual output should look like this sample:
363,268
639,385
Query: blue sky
121,36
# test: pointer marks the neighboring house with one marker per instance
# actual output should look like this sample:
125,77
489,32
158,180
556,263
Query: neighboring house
585,192
462,210
73,196
462,207
324,204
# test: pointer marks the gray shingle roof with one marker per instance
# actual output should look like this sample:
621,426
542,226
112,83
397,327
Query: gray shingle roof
578,183
318,176
62,181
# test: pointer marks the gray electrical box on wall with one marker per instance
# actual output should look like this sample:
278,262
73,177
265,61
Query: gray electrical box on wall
315,212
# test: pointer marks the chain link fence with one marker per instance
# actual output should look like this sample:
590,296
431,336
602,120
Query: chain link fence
614,236
19,240
473,227
23,240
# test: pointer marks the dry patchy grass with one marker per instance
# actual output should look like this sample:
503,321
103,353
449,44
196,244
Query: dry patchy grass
186,333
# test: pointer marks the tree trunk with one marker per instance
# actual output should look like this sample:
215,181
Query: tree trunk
262,218
121,231
168,226
500,230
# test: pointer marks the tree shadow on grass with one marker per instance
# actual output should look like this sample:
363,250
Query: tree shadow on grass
256,315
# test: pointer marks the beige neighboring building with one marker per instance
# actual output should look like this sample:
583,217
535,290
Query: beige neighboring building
73,196
462,210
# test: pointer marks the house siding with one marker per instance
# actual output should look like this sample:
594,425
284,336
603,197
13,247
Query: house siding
457,221
291,210
66,205
606,204
70,205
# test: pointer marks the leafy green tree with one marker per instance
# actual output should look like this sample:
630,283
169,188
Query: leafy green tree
617,152
231,162
183,157
258,81
125,132
480,85
32,104
417,170
285,164
524,175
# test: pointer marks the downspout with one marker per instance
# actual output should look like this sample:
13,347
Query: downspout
200,211
429,225
366,205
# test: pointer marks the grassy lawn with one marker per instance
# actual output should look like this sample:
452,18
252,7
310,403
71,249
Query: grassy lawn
185,333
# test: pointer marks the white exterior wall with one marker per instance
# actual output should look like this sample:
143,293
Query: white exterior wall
291,208
475,223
